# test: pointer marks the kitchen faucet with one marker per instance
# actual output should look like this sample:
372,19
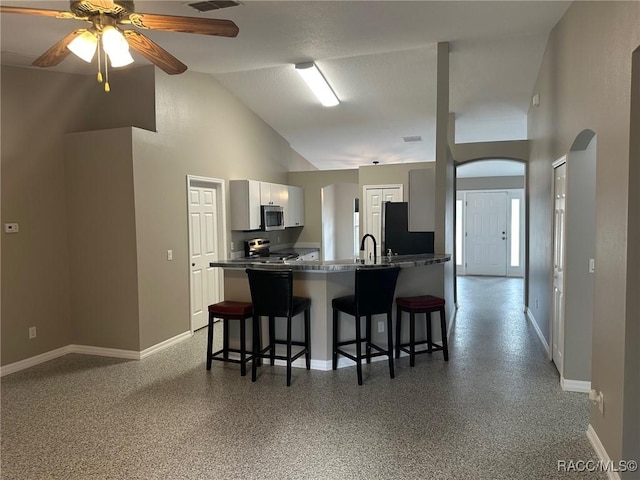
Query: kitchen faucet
375,245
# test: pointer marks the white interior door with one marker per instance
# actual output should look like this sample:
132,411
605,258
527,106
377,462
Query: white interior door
486,234
375,195
559,220
203,246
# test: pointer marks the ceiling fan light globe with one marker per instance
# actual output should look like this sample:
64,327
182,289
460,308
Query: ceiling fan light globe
120,59
84,46
116,47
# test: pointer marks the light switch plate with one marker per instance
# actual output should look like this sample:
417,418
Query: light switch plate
169,255
11,228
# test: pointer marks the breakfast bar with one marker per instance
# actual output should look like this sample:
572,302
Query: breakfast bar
322,281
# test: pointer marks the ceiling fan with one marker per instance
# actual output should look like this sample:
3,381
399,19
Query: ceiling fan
106,17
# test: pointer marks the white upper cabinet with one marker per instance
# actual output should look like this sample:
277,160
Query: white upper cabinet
273,194
245,204
294,209
248,195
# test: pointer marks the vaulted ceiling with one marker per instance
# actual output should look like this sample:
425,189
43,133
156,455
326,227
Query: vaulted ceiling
379,56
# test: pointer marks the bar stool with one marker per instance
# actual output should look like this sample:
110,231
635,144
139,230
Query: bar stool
229,310
374,291
426,304
272,296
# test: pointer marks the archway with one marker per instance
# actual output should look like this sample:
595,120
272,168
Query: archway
579,263
501,182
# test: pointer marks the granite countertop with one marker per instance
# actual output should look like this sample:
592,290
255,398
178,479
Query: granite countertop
402,261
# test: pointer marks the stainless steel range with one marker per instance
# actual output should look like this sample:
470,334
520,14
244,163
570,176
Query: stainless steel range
260,248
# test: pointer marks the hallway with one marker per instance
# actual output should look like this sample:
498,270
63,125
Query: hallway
494,411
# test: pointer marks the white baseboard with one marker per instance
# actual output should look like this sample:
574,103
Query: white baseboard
580,386
33,361
89,350
601,452
543,340
167,343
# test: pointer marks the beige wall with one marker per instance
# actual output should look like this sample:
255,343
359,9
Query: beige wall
490,183
312,182
201,130
101,233
37,109
584,83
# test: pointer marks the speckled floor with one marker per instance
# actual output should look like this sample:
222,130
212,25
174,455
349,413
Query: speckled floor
495,411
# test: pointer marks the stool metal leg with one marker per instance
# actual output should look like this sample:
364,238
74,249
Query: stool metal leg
225,338
358,350
429,338
256,347
390,344
288,351
334,362
272,340
398,330
210,341
412,338
307,339
368,335
443,326
243,348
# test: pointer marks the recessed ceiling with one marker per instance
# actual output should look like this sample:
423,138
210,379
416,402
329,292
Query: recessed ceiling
379,56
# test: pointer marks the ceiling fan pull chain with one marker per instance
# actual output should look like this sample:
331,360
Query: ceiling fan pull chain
99,76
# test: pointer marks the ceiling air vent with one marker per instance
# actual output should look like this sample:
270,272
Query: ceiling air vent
414,138
213,5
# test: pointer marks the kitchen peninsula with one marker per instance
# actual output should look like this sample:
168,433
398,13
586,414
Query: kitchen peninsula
322,281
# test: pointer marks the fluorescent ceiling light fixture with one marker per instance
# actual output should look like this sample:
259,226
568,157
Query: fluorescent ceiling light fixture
84,46
317,83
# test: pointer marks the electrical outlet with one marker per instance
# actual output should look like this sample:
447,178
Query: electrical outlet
592,265
233,246
598,399
169,255
32,332
601,404
380,326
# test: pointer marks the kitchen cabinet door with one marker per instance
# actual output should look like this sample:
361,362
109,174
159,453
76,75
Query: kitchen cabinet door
245,204
273,194
294,209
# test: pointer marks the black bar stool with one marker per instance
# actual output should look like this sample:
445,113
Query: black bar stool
229,310
272,296
374,295
426,304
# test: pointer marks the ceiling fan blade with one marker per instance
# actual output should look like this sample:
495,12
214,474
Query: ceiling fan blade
58,52
170,23
38,11
154,52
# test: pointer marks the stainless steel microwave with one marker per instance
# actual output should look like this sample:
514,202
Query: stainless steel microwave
271,217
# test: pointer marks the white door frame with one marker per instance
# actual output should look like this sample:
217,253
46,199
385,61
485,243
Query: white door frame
519,193
220,188
557,163
364,210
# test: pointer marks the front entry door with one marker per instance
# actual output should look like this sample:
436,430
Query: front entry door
559,220
203,249
486,240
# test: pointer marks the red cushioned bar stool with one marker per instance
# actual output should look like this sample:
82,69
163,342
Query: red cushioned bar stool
426,304
229,310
